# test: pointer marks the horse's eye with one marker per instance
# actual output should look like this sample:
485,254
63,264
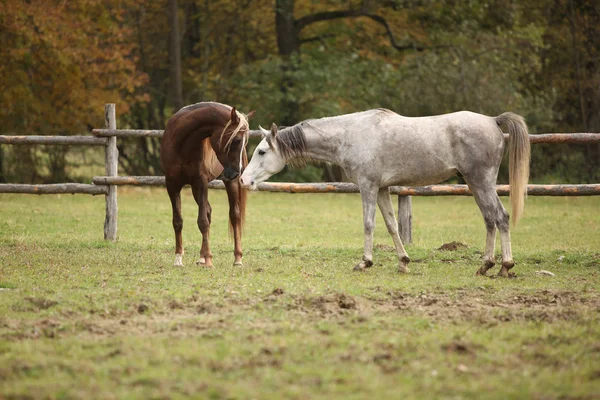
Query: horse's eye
261,152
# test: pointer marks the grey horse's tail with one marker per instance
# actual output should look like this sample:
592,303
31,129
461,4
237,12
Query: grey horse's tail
519,154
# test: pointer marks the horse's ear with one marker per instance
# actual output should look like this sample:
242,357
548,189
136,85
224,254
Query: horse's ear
234,117
273,129
263,131
267,136
250,115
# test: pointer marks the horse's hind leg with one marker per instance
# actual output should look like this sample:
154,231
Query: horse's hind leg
235,217
504,228
387,211
200,192
174,191
369,201
494,215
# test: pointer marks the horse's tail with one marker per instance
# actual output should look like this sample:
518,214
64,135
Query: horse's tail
242,197
519,155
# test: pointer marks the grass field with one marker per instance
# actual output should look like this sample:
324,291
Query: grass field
84,318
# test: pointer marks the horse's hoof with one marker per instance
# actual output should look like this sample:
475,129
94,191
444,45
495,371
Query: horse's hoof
403,269
504,271
361,266
238,264
484,268
178,260
202,263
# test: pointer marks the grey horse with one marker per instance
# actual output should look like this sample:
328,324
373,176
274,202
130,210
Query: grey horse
379,148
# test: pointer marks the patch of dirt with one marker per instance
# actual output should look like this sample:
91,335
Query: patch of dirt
45,328
450,307
453,246
459,347
176,305
206,317
41,303
265,357
384,247
142,308
336,303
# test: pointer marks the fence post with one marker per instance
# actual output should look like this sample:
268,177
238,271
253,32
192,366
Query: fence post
111,162
405,218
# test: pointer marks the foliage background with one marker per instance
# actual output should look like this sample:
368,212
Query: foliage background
291,60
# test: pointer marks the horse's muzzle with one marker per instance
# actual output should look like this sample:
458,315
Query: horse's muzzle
230,174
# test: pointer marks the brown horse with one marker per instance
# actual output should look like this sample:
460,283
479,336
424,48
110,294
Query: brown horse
201,142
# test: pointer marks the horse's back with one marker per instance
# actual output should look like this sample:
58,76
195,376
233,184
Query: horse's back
422,150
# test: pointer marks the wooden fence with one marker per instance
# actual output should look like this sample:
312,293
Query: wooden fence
107,185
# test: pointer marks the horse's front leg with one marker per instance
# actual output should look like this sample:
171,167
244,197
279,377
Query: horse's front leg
236,211
387,211
174,191
369,201
200,192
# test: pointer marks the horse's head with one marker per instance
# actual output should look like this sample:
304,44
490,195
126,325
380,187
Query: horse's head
266,161
230,145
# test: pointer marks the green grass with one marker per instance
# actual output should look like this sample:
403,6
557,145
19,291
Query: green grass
85,318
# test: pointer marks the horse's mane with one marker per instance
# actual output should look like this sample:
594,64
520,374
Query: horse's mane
291,143
243,124
210,163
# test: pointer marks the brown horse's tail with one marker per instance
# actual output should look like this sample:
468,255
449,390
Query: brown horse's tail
519,155
242,197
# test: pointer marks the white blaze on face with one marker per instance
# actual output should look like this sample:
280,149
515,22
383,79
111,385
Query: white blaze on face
244,140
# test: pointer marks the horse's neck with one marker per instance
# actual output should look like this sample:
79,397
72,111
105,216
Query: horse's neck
323,141
193,131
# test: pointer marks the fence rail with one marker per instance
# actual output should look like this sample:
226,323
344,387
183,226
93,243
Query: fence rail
534,139
55,188
55,140
127,133
107,185
339,187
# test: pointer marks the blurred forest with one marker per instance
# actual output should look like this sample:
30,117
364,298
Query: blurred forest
290,60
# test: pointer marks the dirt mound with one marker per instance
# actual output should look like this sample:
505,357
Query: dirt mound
453,246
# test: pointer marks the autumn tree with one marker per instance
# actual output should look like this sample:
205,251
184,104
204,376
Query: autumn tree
62,61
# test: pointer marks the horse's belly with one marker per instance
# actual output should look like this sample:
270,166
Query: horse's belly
412,177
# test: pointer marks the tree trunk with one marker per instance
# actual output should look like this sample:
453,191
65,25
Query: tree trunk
205,49
175,55
288,43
